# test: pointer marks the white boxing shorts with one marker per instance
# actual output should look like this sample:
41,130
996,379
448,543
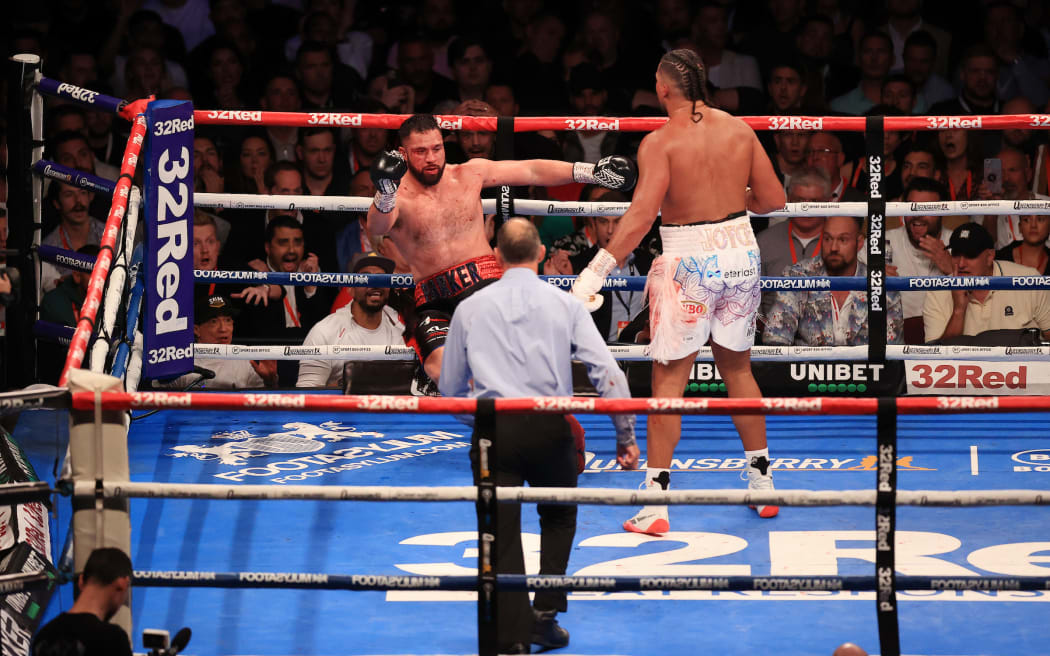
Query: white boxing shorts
706,284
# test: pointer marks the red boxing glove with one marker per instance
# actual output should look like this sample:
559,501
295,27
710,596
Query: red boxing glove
134,108
578,436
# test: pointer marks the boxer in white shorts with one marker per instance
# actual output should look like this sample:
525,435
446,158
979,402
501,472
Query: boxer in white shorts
699,171
705,284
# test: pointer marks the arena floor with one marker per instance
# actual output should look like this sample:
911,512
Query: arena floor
942,452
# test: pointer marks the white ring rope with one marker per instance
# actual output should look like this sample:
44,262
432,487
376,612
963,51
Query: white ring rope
114,299
636,353
561,208
562,495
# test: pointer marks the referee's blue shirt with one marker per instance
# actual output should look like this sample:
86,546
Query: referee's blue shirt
518,337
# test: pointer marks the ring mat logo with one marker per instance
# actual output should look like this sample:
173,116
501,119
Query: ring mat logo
299,437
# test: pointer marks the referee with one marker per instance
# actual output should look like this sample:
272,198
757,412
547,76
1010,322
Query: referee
517,338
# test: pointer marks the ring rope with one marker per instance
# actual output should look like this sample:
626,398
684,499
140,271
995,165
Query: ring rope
81,262
592,583
637,353
560,495
612,123
110,234
553,404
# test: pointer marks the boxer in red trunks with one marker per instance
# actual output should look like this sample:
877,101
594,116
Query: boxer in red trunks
434,218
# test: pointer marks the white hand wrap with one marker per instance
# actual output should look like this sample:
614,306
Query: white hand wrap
385,202
588,284
583,172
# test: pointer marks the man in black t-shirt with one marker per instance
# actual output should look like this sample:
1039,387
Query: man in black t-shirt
105,586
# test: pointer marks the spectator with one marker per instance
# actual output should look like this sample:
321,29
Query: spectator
301,306
208,252
588,96
620,78
673,19
1021,139
787,87
1017,185
254,157
905,19
876,58
899,91
315,71
328,23
76,228
62,304
788,242
207,165
317,151
725,69
145,74
72,149
366,320
775,36
825,153
190,17
471,66
856,172
849,649
222,84
473,143
791,153
951,313
105,587
367,143
66,118
980,78
920,57
142,29
826,73
79,66
572,244
213,323
961,155
1030,250
829,318
620,307
537,71
922,160
101,137
1019,72
415,65
395,94
281,94
919,248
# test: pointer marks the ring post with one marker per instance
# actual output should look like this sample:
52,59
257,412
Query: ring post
19,366
487,509
885,527
98,451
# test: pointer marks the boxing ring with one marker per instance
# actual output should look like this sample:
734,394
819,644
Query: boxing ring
350,512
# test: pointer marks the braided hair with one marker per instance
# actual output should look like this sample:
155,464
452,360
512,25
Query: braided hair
684,68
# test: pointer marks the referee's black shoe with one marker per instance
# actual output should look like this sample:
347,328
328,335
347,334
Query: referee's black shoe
546,632
516,648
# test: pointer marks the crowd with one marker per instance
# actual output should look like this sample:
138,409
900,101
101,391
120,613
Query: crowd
529,57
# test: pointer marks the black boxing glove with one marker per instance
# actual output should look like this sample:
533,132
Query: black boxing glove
614,172
386,172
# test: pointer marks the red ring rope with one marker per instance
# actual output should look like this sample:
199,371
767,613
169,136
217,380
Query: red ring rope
555,405
623,124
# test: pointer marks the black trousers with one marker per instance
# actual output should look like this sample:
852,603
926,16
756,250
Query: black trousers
537,450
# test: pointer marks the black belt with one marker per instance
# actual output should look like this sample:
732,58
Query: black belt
727,217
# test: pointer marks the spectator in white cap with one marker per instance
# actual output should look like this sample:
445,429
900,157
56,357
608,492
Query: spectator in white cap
367,320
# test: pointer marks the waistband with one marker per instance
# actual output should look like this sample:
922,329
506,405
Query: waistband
708,237
457,279
727,217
